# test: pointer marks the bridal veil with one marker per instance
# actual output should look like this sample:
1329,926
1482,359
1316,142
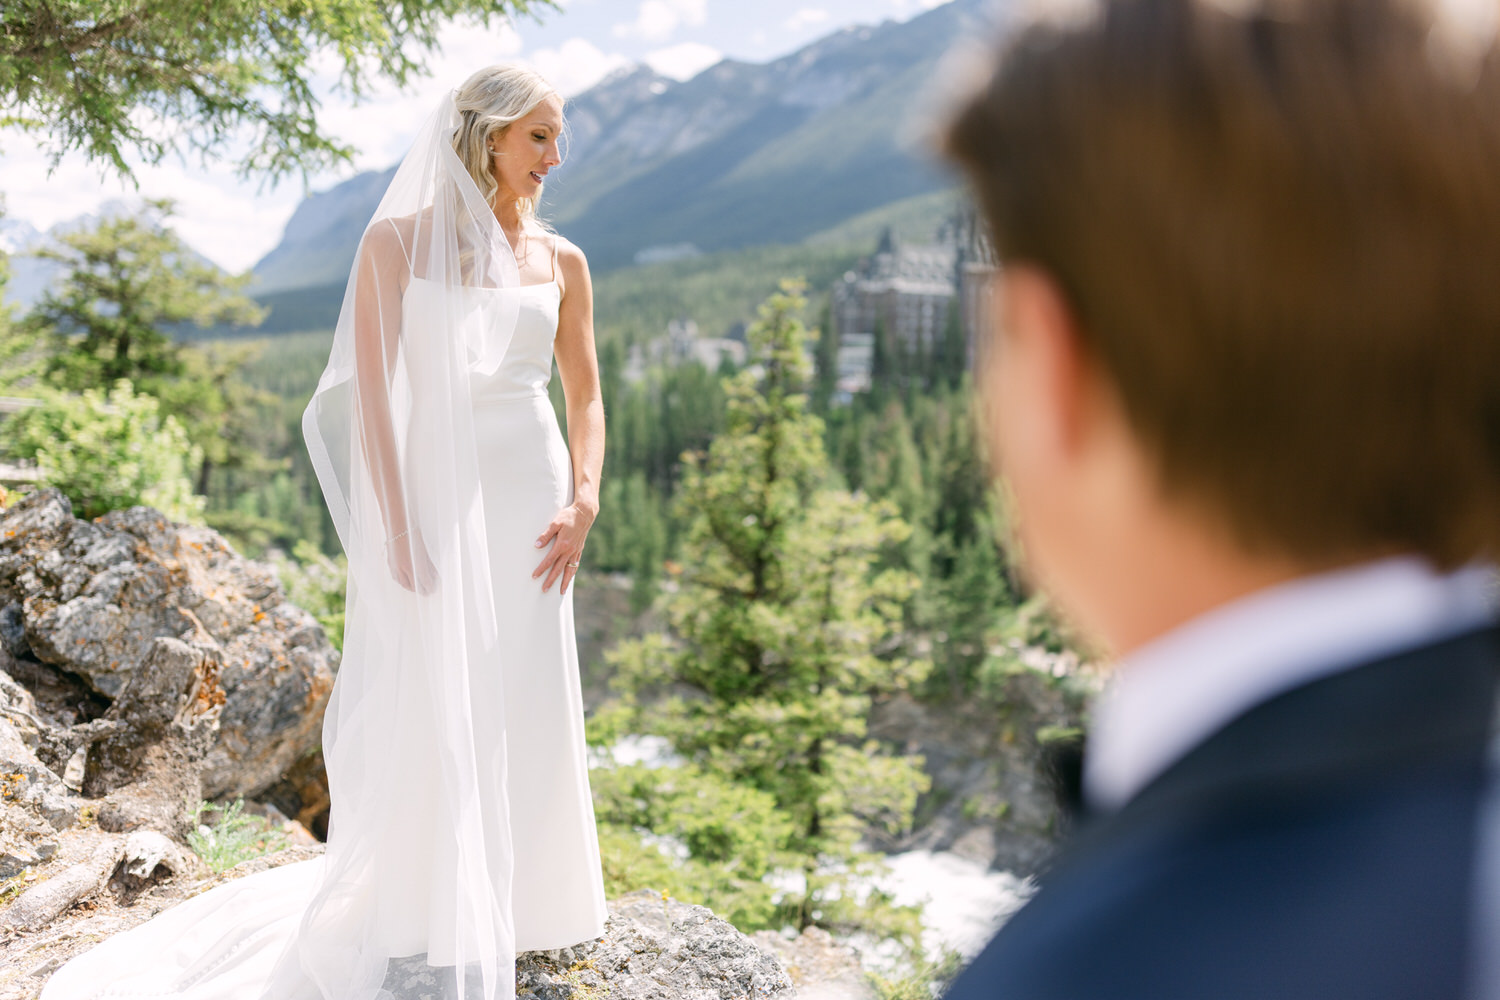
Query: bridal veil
412,896
419,853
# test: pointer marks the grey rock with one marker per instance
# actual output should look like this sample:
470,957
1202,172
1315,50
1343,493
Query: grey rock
13,631
92,600
820,967
654,949
152,763
28,787
991,800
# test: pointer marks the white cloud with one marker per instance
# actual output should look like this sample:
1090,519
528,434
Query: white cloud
220,216
381,125
656,20
805,18
684,61
575,65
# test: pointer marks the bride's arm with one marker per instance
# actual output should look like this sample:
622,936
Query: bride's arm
578,365
377,333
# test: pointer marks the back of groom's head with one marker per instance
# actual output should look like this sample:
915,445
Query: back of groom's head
1276,225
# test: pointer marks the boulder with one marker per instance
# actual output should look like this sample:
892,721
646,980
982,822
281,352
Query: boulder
993,798
85,606
821,967
652,948
656,948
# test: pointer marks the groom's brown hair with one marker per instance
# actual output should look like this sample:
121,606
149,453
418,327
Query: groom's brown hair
1278,225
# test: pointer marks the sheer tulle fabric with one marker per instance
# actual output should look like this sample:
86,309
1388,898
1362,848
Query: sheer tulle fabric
412,897
419,856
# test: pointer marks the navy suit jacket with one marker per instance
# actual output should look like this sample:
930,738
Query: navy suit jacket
1321,846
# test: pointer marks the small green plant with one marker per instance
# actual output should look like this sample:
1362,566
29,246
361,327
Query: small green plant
13,886
234,837
978,809
316,583
924,978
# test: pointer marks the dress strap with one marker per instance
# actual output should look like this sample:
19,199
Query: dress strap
555,238
401,242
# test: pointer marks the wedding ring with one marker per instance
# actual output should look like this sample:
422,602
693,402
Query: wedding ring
573,564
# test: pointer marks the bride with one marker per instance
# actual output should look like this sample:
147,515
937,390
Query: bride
461,828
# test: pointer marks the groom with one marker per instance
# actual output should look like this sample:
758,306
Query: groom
1245,390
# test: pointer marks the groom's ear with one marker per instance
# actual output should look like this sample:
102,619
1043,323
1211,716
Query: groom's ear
1047,394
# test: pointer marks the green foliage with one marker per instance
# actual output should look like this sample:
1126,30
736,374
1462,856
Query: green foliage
260,511
108,452
633,535
726,836
777,639
1034,624
913,220
719,291
227,835
923,979
317,584
924,452
148,78
19,349
221,413
128,281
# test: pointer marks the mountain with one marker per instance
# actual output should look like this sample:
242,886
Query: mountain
30,275
741,154
745,154
317,247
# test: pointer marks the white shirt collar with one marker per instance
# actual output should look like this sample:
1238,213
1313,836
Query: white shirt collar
1175,691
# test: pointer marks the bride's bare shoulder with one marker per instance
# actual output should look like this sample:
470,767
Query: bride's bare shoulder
390,238
571,262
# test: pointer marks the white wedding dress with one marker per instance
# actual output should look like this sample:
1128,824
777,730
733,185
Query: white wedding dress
232,942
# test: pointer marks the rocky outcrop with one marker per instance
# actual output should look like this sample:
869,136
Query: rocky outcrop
128,608
144,666
820,967
656,948
652,948
992,798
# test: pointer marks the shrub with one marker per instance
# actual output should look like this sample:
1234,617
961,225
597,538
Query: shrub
108,452
316,583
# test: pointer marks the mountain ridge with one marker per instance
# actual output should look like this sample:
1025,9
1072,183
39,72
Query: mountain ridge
739,155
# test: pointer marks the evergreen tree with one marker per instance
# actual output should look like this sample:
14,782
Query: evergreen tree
777,633
885,363
952,350
97,77
20,352
827,362
128,282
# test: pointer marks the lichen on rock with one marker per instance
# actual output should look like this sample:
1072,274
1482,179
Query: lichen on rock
92,599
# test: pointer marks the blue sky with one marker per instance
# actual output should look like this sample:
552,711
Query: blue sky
236,222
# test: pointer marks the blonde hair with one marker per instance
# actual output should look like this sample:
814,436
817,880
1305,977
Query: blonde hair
489,101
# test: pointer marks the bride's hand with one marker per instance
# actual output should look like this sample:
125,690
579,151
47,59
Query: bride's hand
410,565
567,530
